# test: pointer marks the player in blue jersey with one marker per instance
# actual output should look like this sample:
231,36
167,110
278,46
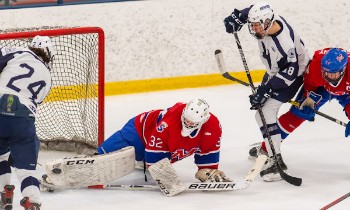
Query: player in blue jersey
25,81
285,57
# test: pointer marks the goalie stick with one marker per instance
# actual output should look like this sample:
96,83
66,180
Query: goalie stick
290,179
227,75
201,186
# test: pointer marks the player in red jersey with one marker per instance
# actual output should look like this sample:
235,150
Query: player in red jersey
326,78
174,133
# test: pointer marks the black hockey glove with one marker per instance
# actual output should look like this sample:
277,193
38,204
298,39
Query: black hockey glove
234,22
263,93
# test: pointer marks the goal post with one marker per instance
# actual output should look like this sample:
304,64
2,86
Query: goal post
72,116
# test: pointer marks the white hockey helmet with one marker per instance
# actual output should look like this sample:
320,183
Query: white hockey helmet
194,115
263,14
43,42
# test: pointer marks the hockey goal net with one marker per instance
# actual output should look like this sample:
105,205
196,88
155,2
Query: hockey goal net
72,116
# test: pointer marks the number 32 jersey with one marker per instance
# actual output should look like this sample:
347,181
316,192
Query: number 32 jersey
24,74
161,133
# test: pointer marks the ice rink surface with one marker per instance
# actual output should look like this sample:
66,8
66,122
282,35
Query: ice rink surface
318,152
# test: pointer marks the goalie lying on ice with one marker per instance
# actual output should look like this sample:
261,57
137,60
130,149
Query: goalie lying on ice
173,133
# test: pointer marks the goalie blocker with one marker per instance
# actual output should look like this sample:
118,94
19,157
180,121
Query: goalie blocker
89,170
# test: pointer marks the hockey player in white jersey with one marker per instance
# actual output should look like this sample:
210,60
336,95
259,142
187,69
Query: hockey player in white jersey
285,57
25,81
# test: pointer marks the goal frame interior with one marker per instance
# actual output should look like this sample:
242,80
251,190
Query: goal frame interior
101,59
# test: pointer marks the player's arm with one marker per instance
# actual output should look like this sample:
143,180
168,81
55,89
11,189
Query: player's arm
209,156
313,76
314,91
344,100
208,159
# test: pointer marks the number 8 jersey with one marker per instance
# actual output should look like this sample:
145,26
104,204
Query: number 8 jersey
24,74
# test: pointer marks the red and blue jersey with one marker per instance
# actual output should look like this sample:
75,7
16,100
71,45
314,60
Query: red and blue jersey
160,131
313,76
313,79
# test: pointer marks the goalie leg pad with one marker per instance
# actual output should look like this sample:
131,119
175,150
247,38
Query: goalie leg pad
91,170
166,178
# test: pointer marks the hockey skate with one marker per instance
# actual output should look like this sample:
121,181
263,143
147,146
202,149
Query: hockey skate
25,202
7,197
255,151
271,174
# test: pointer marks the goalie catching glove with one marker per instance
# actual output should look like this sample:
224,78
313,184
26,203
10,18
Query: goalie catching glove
211,175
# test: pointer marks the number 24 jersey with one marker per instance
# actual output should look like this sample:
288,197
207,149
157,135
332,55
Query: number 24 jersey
22,73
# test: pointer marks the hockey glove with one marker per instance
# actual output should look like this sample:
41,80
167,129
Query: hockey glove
263,93
307,113
312,100
211,175
234,22
347,130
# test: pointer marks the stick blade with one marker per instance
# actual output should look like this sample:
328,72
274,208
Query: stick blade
288,178
255,170
218,51
220,61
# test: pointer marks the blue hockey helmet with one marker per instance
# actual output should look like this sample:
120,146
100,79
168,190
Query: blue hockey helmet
333,64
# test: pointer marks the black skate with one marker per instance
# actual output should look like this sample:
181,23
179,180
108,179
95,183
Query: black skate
25,202
7,197
271,174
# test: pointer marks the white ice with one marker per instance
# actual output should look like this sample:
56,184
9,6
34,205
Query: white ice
318,152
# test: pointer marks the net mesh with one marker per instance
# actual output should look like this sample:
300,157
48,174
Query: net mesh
68,118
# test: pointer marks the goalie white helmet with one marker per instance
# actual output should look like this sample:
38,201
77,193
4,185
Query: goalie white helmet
260,19
44,43
194,115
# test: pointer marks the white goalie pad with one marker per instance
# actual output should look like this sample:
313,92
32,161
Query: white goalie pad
166,178
90,170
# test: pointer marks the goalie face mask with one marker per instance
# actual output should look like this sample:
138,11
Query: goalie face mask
194,115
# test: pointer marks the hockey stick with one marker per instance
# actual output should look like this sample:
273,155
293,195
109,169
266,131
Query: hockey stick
321,114
290,179
336,201
227,75
210,186
202,186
